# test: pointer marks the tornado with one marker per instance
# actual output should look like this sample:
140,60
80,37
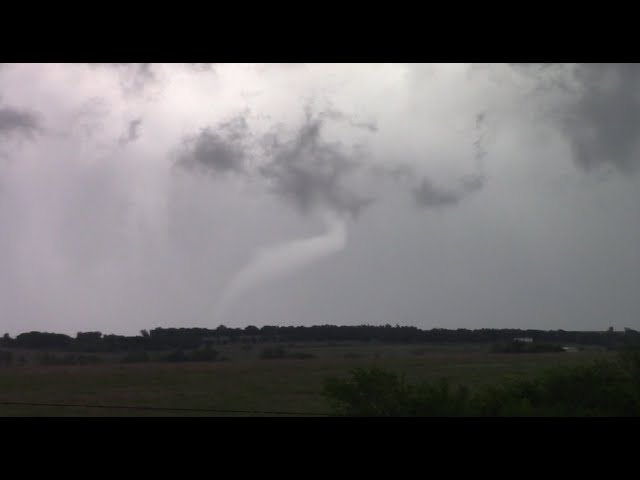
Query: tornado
278,261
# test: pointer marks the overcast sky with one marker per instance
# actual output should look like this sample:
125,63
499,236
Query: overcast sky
456,196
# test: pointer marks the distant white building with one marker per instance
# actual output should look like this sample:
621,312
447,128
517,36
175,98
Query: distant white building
523,339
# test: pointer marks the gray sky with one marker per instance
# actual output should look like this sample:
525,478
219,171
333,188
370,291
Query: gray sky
452,195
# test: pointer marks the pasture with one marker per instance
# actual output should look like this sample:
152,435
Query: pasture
245,383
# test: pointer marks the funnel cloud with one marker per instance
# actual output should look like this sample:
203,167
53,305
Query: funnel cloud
271,263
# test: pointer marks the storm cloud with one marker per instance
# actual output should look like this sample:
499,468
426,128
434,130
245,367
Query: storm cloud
18,122
460,196
310,172
597,107
218,150
427,194
132,132
134,77
302,168
603,123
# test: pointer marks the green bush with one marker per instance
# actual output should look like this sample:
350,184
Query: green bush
600,389
370,392
376,392
609,388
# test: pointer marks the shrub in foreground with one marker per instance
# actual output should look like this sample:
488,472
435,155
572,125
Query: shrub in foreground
610,388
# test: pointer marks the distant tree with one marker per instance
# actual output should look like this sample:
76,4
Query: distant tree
43,340
6,358
88,341
171,339
251,330
89,336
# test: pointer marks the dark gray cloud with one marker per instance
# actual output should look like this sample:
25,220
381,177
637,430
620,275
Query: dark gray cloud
134,77
218,150
371,126
549,76
430,195
15,121
336,115
427,194
603,125
132,133
310,172
600,114
303,169
479,144
472,183
401,172
137,76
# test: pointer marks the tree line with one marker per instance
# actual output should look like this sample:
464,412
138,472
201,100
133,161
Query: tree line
193,338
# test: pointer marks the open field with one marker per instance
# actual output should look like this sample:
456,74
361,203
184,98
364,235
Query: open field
247,383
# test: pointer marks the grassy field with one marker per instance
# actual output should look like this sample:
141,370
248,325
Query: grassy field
248,383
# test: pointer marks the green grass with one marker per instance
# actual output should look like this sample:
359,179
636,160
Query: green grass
248,383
